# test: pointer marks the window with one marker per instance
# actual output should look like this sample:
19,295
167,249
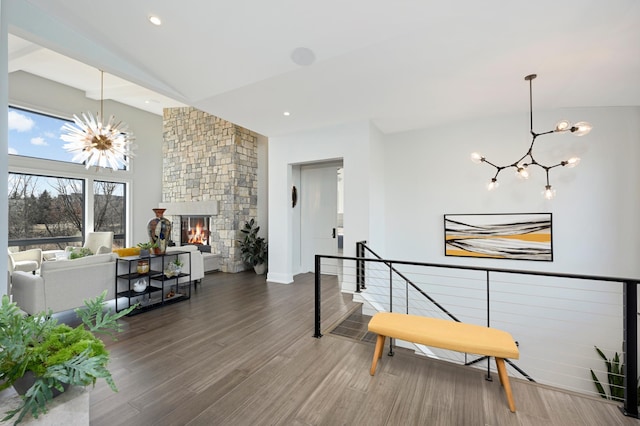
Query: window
45,211
36,135
49,211
109,209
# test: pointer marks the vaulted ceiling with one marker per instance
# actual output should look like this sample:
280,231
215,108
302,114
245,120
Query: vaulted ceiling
402,64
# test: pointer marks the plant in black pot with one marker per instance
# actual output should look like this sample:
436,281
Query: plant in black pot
253,249
146,248
49,356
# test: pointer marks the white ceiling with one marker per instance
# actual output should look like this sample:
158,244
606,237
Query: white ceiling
401,64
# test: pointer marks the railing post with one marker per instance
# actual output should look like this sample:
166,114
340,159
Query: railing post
488,377
317,333
358,267
390,303
630,349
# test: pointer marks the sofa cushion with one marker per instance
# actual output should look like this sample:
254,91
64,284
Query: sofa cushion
87,260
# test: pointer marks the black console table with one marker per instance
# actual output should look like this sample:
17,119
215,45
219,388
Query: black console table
161,285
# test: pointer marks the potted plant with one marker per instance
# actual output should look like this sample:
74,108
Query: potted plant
146,248
615,378
253,249
51,355
78,252
174,268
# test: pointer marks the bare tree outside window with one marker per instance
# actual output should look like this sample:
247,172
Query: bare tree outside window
45,209
109,209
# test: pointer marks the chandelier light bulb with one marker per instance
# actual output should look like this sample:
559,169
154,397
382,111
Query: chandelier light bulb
493,184
581,128
476,157
572,162
563,126
522,173
549,193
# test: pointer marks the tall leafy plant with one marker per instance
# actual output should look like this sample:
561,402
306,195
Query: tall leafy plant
615,378
253,249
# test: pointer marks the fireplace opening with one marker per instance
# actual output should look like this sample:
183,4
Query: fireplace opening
195,230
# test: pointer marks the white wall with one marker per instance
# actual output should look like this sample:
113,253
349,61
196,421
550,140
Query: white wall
41,95
595,224
296,222
349,143
377,171
4,146
263,187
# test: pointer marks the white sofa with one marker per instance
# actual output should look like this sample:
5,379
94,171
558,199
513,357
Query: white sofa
64,284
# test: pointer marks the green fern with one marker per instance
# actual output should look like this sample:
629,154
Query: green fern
97,320
57,354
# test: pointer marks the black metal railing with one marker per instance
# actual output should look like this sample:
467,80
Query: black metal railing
361,248
58,242
55,242
629,311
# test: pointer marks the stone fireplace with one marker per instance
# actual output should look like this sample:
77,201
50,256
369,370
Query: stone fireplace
210,169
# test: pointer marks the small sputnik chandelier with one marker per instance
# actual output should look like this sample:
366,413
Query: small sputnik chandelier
97,143
527,160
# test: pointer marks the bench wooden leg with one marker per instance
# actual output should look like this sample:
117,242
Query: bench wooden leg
504,380
377,353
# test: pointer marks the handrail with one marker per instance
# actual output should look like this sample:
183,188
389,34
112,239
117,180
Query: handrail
630,311
411,283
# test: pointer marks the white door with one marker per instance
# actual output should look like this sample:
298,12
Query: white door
319,216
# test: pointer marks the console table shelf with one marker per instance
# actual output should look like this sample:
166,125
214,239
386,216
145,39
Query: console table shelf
161,289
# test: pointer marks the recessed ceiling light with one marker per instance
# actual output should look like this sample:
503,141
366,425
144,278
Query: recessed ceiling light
155,20
286,113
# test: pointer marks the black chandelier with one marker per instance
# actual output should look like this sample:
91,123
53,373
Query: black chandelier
522,165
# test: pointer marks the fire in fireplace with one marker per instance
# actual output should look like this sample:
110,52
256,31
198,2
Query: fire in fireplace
195,230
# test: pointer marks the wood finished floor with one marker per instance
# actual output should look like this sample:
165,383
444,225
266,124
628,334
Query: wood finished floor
241,352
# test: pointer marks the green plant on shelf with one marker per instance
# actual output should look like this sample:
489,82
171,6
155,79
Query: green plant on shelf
174,268
148,245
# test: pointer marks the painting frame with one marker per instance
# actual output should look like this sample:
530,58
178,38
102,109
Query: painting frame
514,236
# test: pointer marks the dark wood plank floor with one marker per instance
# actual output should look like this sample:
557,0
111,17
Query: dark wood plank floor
241,352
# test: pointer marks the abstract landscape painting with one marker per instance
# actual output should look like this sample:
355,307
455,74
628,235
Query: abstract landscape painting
501,236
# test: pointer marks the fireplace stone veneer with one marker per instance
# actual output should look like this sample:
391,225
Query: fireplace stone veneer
209,160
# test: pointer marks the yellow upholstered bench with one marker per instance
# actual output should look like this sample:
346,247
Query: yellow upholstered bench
445,334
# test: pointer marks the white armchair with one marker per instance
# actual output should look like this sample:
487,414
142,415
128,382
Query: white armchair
27,260
97,242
